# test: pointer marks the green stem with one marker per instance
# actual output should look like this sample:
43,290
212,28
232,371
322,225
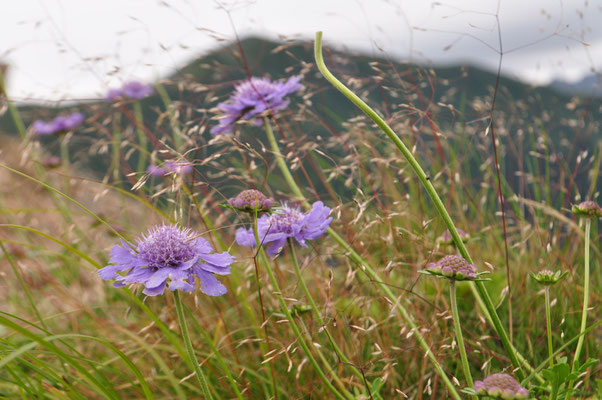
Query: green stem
173,119
116,147
481,291
218,356
14,113
280,160
141,136
459,336
186,336
368,270
588,224
263,319
549,325
65,150
314,307
292,322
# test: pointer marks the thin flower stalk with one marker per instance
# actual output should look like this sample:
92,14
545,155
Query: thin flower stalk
293,324
478,289
143,143
189,349
588,224
116,147
317,313
459,336
549,325
365,266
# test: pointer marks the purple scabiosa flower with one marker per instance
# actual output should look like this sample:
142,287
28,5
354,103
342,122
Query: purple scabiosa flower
155,170
60,124
251,98
52,162
136,90
453,267
287,222
587,209
251,200
130,90
501,386
446,237
168,255
175,167
179,167
113,95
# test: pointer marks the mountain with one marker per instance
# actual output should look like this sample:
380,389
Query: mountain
432,107
590,85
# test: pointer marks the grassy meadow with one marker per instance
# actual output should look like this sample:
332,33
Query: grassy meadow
350,316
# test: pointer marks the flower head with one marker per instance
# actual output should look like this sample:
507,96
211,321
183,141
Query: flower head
129,90
453,267
446,237
174,167
287,222
60,124
168,255
501,386
251,200
587,209
52,162
251,98
547,277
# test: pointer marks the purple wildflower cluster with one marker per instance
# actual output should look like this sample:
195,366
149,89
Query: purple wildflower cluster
170,167
253,97
60,124
501,386
168,256
130,90
287,222
251,200
453,267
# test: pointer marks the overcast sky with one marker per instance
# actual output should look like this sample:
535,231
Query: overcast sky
70,49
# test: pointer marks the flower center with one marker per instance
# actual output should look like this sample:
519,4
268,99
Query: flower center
167,246
285,219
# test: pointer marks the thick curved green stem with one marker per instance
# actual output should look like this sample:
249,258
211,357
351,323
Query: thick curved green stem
186,336
479,287
367,269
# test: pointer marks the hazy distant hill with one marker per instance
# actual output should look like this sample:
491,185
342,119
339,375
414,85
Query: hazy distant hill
446,99
590,85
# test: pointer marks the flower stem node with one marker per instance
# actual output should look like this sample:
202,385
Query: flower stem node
168,256
453,267
587,209
501,386
251,201
547,277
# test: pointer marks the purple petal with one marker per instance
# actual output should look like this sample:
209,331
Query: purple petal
110,271
155,291
158,277
209,284
276,247
245,237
